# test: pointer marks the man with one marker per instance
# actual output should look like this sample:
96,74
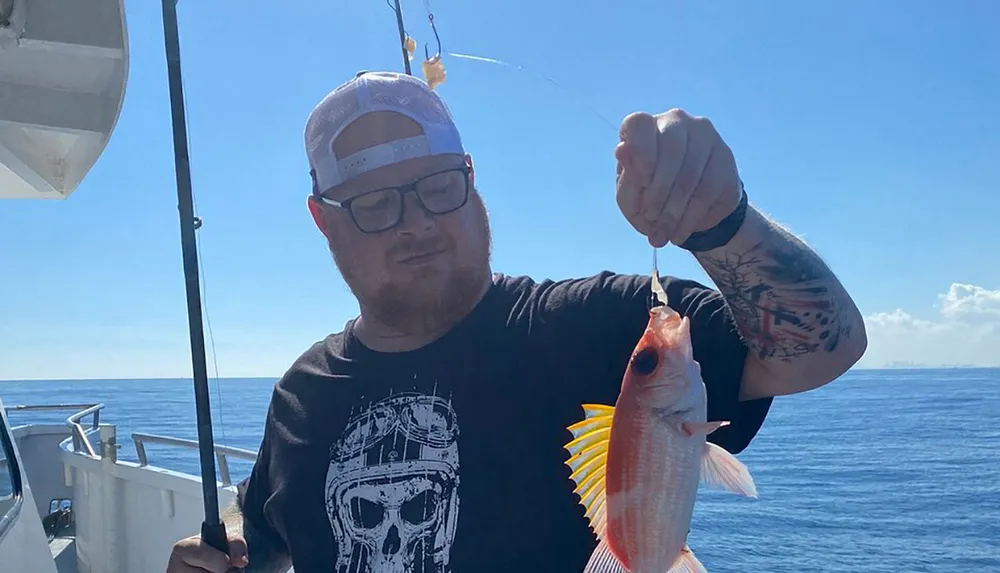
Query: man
427,435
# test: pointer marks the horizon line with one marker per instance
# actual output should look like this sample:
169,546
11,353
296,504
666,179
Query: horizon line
272,377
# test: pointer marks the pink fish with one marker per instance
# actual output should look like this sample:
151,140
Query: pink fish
637,465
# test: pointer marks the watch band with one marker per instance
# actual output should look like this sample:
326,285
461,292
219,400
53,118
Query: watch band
720,234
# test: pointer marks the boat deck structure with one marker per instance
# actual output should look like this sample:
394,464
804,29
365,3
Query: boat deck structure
102,514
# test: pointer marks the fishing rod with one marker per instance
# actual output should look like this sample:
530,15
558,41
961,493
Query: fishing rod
402,37
213,530
433,69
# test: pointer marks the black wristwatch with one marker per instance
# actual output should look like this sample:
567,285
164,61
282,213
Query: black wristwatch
720,234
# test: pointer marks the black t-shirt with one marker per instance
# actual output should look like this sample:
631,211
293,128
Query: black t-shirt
450,457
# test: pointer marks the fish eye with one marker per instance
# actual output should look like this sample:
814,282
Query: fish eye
644,362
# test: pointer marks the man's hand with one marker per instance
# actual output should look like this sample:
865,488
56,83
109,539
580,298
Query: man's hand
675,176
192,555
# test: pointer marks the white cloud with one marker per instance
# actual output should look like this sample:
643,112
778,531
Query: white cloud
970,303
966,332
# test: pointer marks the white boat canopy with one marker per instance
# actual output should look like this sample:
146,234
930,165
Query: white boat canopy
63,70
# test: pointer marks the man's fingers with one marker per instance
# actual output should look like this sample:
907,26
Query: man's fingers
636,156
184,568
675,175
627,190
237,550
194,555
682,192
697,207
208,559
673,142
639,131
716,182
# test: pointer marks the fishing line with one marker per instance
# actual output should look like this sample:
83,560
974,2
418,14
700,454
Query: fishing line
204,295
208,327
592,109
495,61
521,68
430,17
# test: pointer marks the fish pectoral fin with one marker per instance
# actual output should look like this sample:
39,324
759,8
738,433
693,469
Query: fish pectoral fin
720,468
691,428
602,560
687,563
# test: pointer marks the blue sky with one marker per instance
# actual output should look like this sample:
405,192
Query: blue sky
865,127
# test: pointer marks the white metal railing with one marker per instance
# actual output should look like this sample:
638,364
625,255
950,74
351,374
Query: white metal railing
82,443
79,435
127,515
80,438
222,453
47,407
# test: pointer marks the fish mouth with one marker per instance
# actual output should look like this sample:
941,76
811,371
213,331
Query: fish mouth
667,328
664,317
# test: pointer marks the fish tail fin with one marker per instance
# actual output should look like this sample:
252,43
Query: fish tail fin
719,468
687,563
602,560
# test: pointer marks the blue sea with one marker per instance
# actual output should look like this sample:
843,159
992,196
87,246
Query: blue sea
882,471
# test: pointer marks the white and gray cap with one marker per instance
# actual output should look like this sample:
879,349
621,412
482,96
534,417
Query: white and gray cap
365,93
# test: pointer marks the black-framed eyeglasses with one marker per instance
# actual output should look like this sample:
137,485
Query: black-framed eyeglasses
382,209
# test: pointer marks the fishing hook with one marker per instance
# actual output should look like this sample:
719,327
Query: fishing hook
436,37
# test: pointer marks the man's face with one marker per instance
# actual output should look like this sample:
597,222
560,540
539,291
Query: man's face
426,269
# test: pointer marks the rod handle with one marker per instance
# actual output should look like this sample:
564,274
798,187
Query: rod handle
215,536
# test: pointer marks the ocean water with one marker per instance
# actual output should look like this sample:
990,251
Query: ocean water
886,471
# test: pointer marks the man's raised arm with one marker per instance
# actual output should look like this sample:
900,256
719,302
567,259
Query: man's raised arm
678,183
800,324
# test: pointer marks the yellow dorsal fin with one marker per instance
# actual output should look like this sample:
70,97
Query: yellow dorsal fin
588,456
588,438
595,416
591,410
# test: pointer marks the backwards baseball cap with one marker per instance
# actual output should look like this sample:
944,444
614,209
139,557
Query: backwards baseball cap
365,93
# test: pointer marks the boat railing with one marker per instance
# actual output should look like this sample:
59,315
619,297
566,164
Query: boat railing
122,514
80,438
81,433
222,453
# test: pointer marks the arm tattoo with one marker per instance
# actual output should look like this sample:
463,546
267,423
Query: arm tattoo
786,302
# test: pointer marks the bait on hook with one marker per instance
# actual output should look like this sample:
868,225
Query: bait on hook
433,67
434,75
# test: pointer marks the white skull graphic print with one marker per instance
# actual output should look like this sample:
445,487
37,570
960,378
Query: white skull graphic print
392,486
